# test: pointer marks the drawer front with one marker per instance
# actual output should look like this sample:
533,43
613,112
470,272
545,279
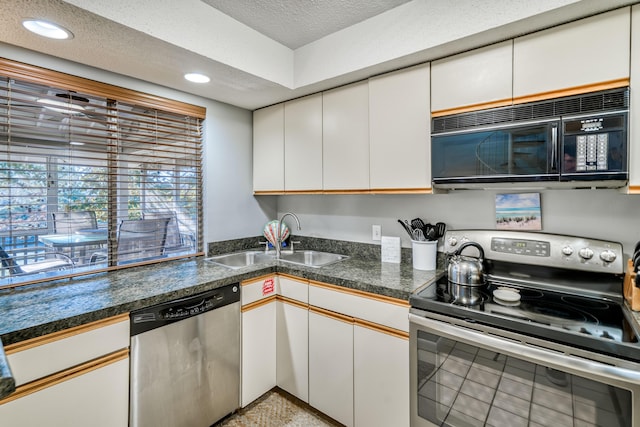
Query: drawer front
259,288
371,307
33,359
297,289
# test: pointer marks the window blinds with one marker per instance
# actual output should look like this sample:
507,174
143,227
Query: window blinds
128,163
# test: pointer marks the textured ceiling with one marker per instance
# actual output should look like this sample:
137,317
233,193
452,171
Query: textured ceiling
255,63
295,23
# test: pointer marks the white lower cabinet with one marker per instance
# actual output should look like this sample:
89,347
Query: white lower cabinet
292,338
98,398
331,366
75,377
258,338
381,378
344,352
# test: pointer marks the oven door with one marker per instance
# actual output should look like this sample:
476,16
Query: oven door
469,376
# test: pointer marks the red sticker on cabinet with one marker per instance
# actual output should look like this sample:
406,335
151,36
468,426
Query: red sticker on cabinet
267,286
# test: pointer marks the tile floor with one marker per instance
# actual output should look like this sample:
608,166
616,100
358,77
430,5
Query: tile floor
277,408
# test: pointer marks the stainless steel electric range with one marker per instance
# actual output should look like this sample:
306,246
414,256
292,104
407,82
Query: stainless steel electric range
546,338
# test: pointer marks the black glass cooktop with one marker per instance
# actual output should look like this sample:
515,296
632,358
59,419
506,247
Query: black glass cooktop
590,323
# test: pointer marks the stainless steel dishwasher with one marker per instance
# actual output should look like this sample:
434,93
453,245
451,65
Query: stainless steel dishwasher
185,360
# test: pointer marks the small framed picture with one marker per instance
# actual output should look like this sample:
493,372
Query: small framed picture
518,211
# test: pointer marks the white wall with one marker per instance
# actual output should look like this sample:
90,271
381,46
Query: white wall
230,210
604,214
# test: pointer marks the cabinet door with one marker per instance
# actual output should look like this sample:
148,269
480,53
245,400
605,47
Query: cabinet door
400,130
258,350
634,111
582,53
381,378
303,144
292,352
331,366
480,78
345,138
98,397
268,149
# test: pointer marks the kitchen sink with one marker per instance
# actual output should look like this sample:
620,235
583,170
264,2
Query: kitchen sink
241,259
315,259
311,258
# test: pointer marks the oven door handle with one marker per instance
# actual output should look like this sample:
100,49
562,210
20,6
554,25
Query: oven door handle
556,360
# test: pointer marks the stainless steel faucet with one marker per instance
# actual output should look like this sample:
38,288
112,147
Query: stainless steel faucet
279,237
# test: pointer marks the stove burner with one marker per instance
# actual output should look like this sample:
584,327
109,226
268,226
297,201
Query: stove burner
586,303
551,310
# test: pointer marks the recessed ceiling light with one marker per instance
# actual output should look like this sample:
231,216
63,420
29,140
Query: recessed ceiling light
197,78
47,29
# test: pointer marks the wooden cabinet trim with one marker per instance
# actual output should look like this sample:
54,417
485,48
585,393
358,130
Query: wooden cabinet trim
473,107
331,314
66,333
292,302
369,295
381,328
296,278
426,190
256,279
577,90
257,304
633,189
51,380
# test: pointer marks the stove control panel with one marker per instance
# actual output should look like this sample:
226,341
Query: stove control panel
545,249
521,247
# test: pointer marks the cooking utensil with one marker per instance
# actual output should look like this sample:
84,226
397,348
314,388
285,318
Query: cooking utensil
430,232
406,227
441,228
417,223
466,270
418,235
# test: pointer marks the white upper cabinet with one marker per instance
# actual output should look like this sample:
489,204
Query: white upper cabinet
634,115
477,79
576,55
400,130
345,138
268,149
303,144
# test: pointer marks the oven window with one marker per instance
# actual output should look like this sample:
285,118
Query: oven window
463,385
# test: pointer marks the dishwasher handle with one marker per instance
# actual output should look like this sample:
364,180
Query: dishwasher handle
155,316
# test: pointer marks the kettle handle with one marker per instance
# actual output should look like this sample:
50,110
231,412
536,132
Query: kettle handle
466,245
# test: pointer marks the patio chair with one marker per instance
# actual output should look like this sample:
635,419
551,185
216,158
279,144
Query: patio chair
75,222
176,240
138,240
57,261
71,222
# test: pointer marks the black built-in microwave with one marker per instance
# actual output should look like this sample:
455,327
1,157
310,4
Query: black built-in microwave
578,139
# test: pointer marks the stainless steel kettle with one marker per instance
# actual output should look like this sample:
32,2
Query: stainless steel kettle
466,270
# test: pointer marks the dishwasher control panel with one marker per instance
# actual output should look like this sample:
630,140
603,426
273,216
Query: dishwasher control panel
162,314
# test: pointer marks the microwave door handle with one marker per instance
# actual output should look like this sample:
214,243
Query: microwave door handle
554,148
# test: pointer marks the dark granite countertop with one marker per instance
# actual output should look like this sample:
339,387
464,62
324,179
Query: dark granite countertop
36,310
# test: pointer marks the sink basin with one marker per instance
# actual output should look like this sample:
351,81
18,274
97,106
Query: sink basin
311,258
241,259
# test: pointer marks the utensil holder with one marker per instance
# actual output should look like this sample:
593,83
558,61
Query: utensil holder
424,254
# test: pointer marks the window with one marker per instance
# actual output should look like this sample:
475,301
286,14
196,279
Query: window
93,177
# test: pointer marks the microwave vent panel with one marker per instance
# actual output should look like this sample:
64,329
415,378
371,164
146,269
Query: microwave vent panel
615,99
